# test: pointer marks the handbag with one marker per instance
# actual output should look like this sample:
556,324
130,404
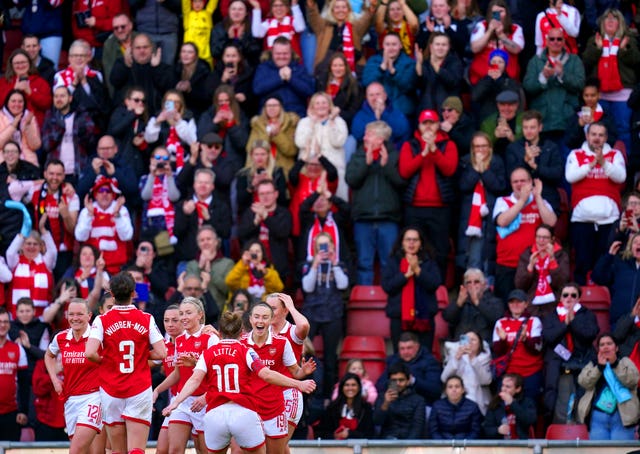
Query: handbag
500,364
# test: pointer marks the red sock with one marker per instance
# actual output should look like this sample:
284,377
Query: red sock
136,451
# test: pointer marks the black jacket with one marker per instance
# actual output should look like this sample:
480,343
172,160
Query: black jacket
404,420
469,317
331,420
461,421
155,80
121,127
199,98
525,411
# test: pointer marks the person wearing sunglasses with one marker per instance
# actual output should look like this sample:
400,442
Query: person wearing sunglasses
118,44
568,332
553,83
159,192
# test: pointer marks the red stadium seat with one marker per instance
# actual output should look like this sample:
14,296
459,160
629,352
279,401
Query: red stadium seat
362,321
370,346
598,300
567,432
368,296
441,334
318,346
442,295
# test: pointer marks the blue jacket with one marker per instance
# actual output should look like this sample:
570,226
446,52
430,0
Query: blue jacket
400,86
461,421
623,279
391,116
294,92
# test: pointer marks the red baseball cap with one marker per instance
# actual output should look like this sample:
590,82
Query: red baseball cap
428,115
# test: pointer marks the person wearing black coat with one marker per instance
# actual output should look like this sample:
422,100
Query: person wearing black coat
457,124
412,265
573,327
348,95
627,332
510,414
234,70
235,137
349,415
250,47
483,94
543,159
193,83
454,417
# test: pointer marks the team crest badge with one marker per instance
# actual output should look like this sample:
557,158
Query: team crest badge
12,355
272,351
197,344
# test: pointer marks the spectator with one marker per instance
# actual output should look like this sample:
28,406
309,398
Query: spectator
31,332
517,217
145,68
595,172
160,24
324,278
16,383
234,69
154,270
369,392
561,16
628,223
127,126
270,223
497,31
568,333
119,44
174,128
424,369
410,281
553,82
349,415
22,74
372,175
13,170
396,16
254,272
491,84
440,73
211,261
612,418
470,359
198,24
109,163
49,410
104,222
260,167
205,207
577,124
612,55
440,20
376,107
85,84
31,45
192,285
89,273
511,413
226,119
542,271
457,124
341,84
395,70
235,30
284,77
429,162
285,20
276,127
92,21
191,72
475,309
400,411
323,133
55,314
68,135
525,331
505,126
454,417
482,179
19,124
338,31
620,274
540,156
627,332
45,20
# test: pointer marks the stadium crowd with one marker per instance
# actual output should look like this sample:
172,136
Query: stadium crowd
200,157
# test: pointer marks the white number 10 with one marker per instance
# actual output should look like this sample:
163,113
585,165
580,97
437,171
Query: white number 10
230,377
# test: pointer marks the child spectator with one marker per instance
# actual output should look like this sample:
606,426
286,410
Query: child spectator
198,23
369,392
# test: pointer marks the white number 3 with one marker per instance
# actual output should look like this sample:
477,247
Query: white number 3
128,348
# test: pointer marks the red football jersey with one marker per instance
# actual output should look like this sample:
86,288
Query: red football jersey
168,363
126,334
192,344
80,375
12,358
228,365
289,331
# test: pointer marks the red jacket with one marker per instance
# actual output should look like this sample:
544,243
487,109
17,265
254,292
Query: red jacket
103,11
38,102
49,406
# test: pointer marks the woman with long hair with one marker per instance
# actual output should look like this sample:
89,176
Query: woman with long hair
235,29
191,72
396,16
254,272
510,413
234,69
410,281
349,415
19,124
455,417
342,85
285,19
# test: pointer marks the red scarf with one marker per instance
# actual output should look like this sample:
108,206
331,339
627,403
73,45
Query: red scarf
347,46
160,205
408,304
550,21
68,75
256,284
200,207
544,292
333,87
274,147
479,210
636,321
329,227
263,236
608,71
84,283
562,316
175,148
597,113
276,28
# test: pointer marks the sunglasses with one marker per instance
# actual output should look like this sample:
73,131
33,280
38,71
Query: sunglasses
104,190
119,27
160,157
554,38
572,295
137,99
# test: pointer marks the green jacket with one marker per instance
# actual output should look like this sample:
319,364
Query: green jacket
217,285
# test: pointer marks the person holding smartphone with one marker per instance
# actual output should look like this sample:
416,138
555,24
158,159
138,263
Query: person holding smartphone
254,272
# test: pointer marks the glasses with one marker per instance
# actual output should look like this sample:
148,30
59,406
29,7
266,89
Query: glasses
411,239
160,157
104,191
570,295
633,203
481,145
77,55
119,27
555,38
543,237
4,322
137,99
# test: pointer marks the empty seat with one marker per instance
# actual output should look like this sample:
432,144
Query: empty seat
442,295
370,346
368,295
441,334
598,300
364,321
318,346
567,432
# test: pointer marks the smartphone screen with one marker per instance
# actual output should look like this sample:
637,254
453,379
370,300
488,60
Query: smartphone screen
495,15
